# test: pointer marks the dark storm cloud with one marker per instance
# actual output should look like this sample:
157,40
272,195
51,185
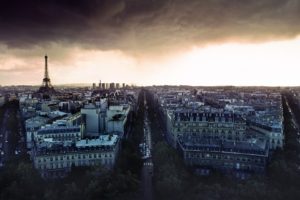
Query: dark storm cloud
145,25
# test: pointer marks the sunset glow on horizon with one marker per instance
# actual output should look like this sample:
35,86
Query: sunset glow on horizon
270,64
151,42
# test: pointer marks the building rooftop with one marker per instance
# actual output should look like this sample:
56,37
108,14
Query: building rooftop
103,143
103,140
58,130
251,146
36,121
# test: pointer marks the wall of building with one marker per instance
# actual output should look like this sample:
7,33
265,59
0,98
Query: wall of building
275,139
225,161
91,121
51,164
231,130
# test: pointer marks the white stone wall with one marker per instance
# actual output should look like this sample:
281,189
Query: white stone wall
92,121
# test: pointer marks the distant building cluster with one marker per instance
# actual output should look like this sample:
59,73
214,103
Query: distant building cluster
106,86
224,129
83,130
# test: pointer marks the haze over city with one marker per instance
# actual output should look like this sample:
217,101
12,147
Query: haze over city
213,42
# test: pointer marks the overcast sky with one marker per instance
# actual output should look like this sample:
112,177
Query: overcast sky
197,42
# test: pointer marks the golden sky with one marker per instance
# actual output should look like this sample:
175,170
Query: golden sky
195,42
271,63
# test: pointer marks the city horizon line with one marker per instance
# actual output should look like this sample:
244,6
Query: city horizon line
149,85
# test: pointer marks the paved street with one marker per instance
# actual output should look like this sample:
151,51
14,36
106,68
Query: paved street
294,122
7,147
147,170
290,111
295,126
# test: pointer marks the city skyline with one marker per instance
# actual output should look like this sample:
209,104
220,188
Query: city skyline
151,43
149,99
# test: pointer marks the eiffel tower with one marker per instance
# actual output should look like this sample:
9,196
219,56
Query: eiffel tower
46,87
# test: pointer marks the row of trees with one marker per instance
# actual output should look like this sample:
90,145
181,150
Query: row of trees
19,180
172,180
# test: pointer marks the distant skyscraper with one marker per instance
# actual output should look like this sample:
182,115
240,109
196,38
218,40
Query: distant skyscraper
123,85
94,86
100,86
117,85
103,86
112,86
